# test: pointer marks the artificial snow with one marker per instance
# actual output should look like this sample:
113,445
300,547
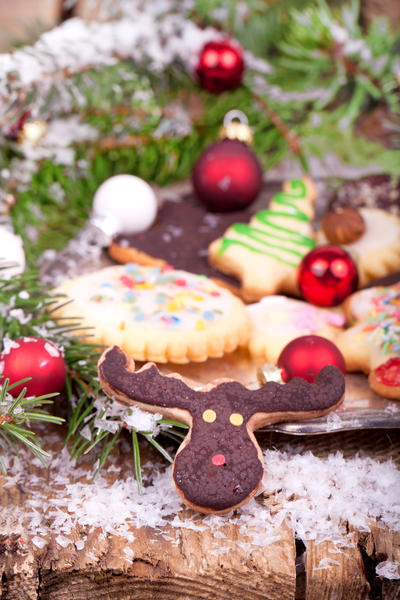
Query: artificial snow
315,497
51,349
38,541
388,569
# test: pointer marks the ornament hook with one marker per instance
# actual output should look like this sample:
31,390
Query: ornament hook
235,115
236,127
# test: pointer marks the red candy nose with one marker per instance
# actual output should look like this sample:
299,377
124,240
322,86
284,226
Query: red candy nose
218,460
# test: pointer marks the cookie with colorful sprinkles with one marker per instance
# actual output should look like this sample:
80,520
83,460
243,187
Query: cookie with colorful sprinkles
265,253
372,343
156,313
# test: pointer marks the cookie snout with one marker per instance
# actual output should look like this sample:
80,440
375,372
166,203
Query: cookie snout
219,476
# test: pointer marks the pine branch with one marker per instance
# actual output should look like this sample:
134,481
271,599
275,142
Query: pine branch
16,414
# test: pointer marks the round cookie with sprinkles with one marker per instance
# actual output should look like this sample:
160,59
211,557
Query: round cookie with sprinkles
373,340
156,313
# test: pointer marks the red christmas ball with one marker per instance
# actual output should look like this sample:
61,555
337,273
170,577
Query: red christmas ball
220,66
306,355
327,275
36,358
227,176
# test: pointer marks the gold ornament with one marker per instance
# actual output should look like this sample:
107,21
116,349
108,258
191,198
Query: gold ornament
32,132
236,127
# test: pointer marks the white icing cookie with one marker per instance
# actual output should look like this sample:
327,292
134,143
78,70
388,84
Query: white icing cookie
377,252
157,314
277,320
11,254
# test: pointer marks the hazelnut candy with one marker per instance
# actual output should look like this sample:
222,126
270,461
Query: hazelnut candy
343,226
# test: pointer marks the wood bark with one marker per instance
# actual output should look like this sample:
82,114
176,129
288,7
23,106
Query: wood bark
168,563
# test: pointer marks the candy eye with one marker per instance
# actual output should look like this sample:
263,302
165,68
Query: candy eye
209,415
236,419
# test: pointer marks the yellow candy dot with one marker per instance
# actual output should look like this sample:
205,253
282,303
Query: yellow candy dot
209,415
200,325
173,306
236,419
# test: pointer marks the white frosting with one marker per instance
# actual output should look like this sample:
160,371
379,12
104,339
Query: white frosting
278,316
381,231
11,253
150,297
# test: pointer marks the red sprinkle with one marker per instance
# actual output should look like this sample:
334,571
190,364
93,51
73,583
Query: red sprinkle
213,293
167,268
218,460
127,281
181,282
389,372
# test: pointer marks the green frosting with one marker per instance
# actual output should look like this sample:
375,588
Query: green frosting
276,236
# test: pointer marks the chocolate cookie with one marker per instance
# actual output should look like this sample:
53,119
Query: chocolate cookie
375,191
180,237
219,465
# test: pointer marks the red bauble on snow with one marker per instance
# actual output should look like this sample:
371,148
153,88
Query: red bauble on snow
327,275
305,356
220,66
36,358
227,176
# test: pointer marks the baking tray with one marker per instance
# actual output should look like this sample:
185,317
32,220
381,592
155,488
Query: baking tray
361,408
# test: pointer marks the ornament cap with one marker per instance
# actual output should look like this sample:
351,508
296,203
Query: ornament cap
236,127
269,372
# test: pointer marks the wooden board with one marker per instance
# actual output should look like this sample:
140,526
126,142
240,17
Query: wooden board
160,563
177,563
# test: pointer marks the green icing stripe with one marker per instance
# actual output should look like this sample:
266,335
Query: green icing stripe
283,234
227,242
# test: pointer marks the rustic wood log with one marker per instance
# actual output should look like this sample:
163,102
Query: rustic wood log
380,545
160,564
341,578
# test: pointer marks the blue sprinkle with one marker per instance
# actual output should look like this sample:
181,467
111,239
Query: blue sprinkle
140,317
208,314
130,296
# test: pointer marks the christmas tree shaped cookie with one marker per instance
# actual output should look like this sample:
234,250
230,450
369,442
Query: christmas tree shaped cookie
265,253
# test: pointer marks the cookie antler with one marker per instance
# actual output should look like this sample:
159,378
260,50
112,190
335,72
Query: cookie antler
219,466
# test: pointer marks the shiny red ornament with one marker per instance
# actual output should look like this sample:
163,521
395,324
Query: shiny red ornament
327,275
36,358
227,176
306,355
220,66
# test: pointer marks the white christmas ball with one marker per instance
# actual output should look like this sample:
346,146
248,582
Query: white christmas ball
127,202
11,253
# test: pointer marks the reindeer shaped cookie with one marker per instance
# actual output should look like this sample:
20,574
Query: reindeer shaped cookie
219,465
